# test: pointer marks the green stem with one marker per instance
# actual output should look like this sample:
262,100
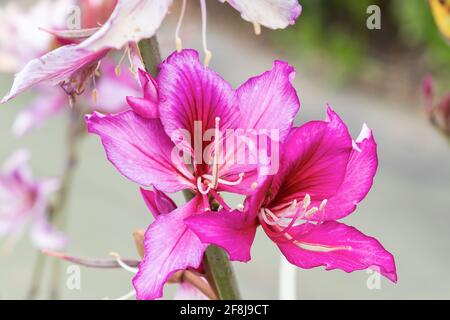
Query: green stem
150,54
36,277
219,270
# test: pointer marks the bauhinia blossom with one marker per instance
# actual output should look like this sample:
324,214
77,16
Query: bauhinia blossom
141,148
438,110
24,200
22,38
130,22
107,97
324,174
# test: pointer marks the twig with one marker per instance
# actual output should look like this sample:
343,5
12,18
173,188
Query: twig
219,270
150,54
76,130
36,277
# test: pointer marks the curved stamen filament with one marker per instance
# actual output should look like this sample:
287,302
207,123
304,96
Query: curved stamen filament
178,42
123,264
266,219
306,201
125,53
201,187
290,216
215,173
206,204
208,54
226,182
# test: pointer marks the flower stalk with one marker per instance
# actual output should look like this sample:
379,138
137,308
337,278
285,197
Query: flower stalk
219,270
76,130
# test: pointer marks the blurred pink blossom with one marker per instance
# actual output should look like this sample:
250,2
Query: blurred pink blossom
24,200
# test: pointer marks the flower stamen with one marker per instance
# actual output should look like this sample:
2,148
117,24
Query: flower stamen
126,52
208,54
257,28
200,187
178,42
123,264
215,177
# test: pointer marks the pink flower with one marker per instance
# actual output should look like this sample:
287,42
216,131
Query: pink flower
438,110
20,36
50,101
324,175
25,200
130,22
272,14
141,149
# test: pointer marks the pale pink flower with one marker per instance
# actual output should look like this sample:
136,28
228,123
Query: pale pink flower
24,200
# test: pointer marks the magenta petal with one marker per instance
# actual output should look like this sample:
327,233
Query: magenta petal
189,92
169,247
143,107
147,106
267,95
358,180
314,161
149,85
140,150
336,246
112,88
157,202
233,231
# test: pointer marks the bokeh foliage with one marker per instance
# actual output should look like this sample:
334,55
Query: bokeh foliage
338,27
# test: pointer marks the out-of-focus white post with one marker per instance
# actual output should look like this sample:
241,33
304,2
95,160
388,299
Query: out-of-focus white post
287,280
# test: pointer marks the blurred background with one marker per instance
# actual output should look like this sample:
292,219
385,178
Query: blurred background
368,76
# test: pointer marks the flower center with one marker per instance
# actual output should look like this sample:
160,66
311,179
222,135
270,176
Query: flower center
291,216
207,182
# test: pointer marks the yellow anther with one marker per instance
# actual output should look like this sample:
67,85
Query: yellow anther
257,28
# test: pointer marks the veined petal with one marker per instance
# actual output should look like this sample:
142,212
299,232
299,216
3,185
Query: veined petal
190,92
274,14
314,161
336,246
169,247
140,150
361,169
131,21
53,68
233,231
157,202
269,94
